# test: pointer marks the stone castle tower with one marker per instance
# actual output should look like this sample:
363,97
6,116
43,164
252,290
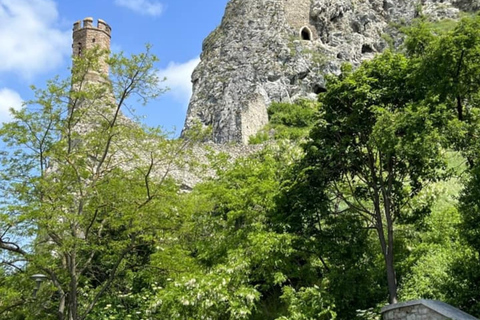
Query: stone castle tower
95,109
86,36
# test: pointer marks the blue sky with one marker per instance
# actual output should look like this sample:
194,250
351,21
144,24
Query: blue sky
35,38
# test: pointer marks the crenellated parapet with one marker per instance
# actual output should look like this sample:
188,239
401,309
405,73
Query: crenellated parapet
88,23
86,36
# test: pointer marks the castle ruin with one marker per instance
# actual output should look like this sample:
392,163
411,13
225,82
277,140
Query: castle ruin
86,37
268,51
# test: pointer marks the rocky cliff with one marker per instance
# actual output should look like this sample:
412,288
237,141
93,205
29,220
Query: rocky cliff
280,50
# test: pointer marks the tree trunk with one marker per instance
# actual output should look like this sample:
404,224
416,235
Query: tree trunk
387,252
459,108
61,308
389,258
387,248
391,277
72,296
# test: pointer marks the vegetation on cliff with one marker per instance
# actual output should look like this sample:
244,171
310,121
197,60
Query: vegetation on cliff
369,196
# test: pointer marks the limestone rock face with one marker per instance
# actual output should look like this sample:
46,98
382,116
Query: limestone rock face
280,50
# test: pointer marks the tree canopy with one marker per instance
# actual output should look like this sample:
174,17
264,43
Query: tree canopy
368,196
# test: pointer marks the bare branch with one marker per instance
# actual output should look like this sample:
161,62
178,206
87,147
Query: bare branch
12,247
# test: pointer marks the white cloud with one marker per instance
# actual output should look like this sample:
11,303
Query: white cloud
146,7
179,79
30,42
8,99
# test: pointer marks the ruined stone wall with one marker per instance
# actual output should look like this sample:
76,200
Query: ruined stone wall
423,309
297,13
256,56
254,116
416,312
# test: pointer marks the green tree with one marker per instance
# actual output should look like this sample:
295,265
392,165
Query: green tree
450,65
86,190
449,73
372,151
243,267
433,245
462,289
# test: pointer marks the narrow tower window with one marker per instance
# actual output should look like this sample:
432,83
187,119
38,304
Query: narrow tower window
306,34
79,48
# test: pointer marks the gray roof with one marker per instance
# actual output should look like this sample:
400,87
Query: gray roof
437,306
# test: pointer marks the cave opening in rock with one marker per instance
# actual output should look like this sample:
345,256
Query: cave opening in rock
366,48
306,34
317,89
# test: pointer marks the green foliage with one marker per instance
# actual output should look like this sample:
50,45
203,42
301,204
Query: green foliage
372,151
259,138
443,26
299,115
419,37
282,234
241,263
470,208
389,40
423,32
448,73
223,293
288,121
231,221
462,288
432,255
80,198
307,304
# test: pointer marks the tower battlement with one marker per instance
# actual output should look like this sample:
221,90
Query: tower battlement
86,36
88,23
